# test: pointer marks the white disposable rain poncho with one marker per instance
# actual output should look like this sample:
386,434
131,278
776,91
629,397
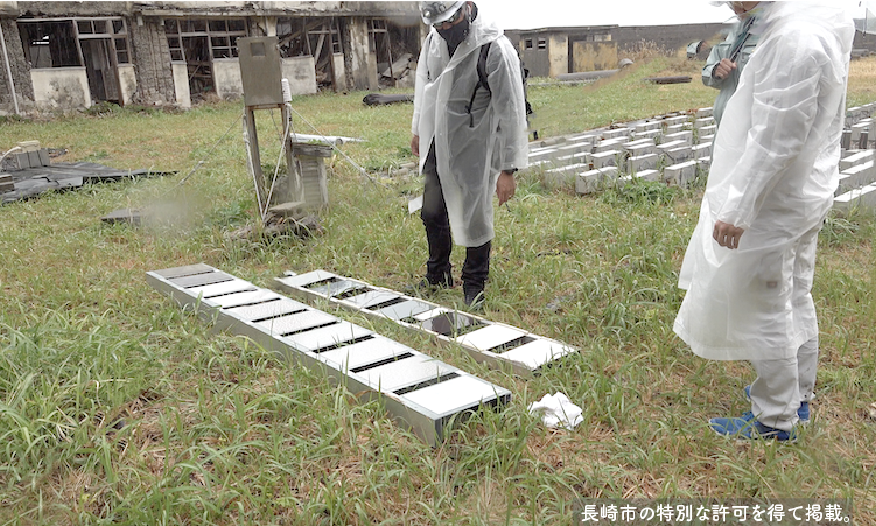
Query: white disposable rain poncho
774,173
469,157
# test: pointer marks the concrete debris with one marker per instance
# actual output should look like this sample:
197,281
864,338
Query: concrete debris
380,99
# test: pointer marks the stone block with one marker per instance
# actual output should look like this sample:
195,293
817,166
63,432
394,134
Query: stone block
707,138
21,161
574,158
594,180
857,176
676,128
686,136
705,131
610,144
704,164
701,150
856,158
863,126
862,197
704,112
678,155
641,149
45,160
669,145
33,158
29,146
641,163
643,127
682,174
652,176
655,135
615,133
678,120
564,175
606,159
703,122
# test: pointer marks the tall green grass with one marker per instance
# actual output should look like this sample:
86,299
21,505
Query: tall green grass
116,407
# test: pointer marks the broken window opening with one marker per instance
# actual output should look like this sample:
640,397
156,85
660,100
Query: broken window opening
542,43
49,44
528,43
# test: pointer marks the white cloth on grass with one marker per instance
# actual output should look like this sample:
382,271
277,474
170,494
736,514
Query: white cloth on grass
557,411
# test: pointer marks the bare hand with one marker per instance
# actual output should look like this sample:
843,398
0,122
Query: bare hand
723,69
727,235
505,187
415,145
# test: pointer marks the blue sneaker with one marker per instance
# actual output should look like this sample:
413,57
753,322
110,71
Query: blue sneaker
747,427
802,411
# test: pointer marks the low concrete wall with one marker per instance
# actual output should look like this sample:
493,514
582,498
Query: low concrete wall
226,78
128,82
181,84
60,88
301,74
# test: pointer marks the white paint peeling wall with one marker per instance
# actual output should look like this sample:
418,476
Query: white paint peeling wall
60,88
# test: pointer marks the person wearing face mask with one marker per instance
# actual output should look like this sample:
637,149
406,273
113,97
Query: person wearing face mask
469,130
750,263
727,59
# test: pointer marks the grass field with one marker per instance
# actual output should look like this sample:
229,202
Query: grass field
118,408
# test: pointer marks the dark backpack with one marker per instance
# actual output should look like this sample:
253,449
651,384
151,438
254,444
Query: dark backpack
484,82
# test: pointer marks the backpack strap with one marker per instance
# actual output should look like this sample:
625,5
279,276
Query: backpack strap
482,78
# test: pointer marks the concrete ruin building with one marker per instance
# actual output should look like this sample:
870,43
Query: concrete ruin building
60,56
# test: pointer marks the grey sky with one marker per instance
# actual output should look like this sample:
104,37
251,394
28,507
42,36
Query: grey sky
531,14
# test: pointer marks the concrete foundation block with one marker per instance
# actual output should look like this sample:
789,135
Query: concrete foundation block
703,122
857,158
564,175
678,120
21,161
615,133
862,197
856,177
682,174
655,135
704,112
594,180
651,176
685,136
45,160
705,131
606,159
640,147
678,155
642,162
643,127
704,149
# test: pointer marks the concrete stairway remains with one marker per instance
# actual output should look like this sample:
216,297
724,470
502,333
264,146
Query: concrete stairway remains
499,346
419,392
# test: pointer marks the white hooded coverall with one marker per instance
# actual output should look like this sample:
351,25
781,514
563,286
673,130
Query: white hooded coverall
469,158
774,173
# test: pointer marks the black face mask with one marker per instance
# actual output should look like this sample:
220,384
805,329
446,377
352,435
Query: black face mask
456,34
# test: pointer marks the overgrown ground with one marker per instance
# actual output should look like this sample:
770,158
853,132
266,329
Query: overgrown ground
118,408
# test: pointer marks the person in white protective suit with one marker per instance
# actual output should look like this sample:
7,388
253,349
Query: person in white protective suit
727,59
470,135
749,265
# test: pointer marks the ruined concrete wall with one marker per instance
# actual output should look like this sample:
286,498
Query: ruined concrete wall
19,67
226,78
61,88
361,75
558,46
151,59
181,84
75,7
862,41
301,74
668,39
128,82
9,7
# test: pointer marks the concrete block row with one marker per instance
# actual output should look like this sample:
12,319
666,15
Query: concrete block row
864,197
419,392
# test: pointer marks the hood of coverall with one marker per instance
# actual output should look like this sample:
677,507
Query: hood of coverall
470,148
774,173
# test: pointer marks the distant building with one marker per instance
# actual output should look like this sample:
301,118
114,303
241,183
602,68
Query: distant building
554,51
67,55
550,52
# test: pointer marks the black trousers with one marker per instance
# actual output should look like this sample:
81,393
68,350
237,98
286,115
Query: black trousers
476,267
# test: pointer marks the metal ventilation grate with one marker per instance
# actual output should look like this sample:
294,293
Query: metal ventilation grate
419,392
